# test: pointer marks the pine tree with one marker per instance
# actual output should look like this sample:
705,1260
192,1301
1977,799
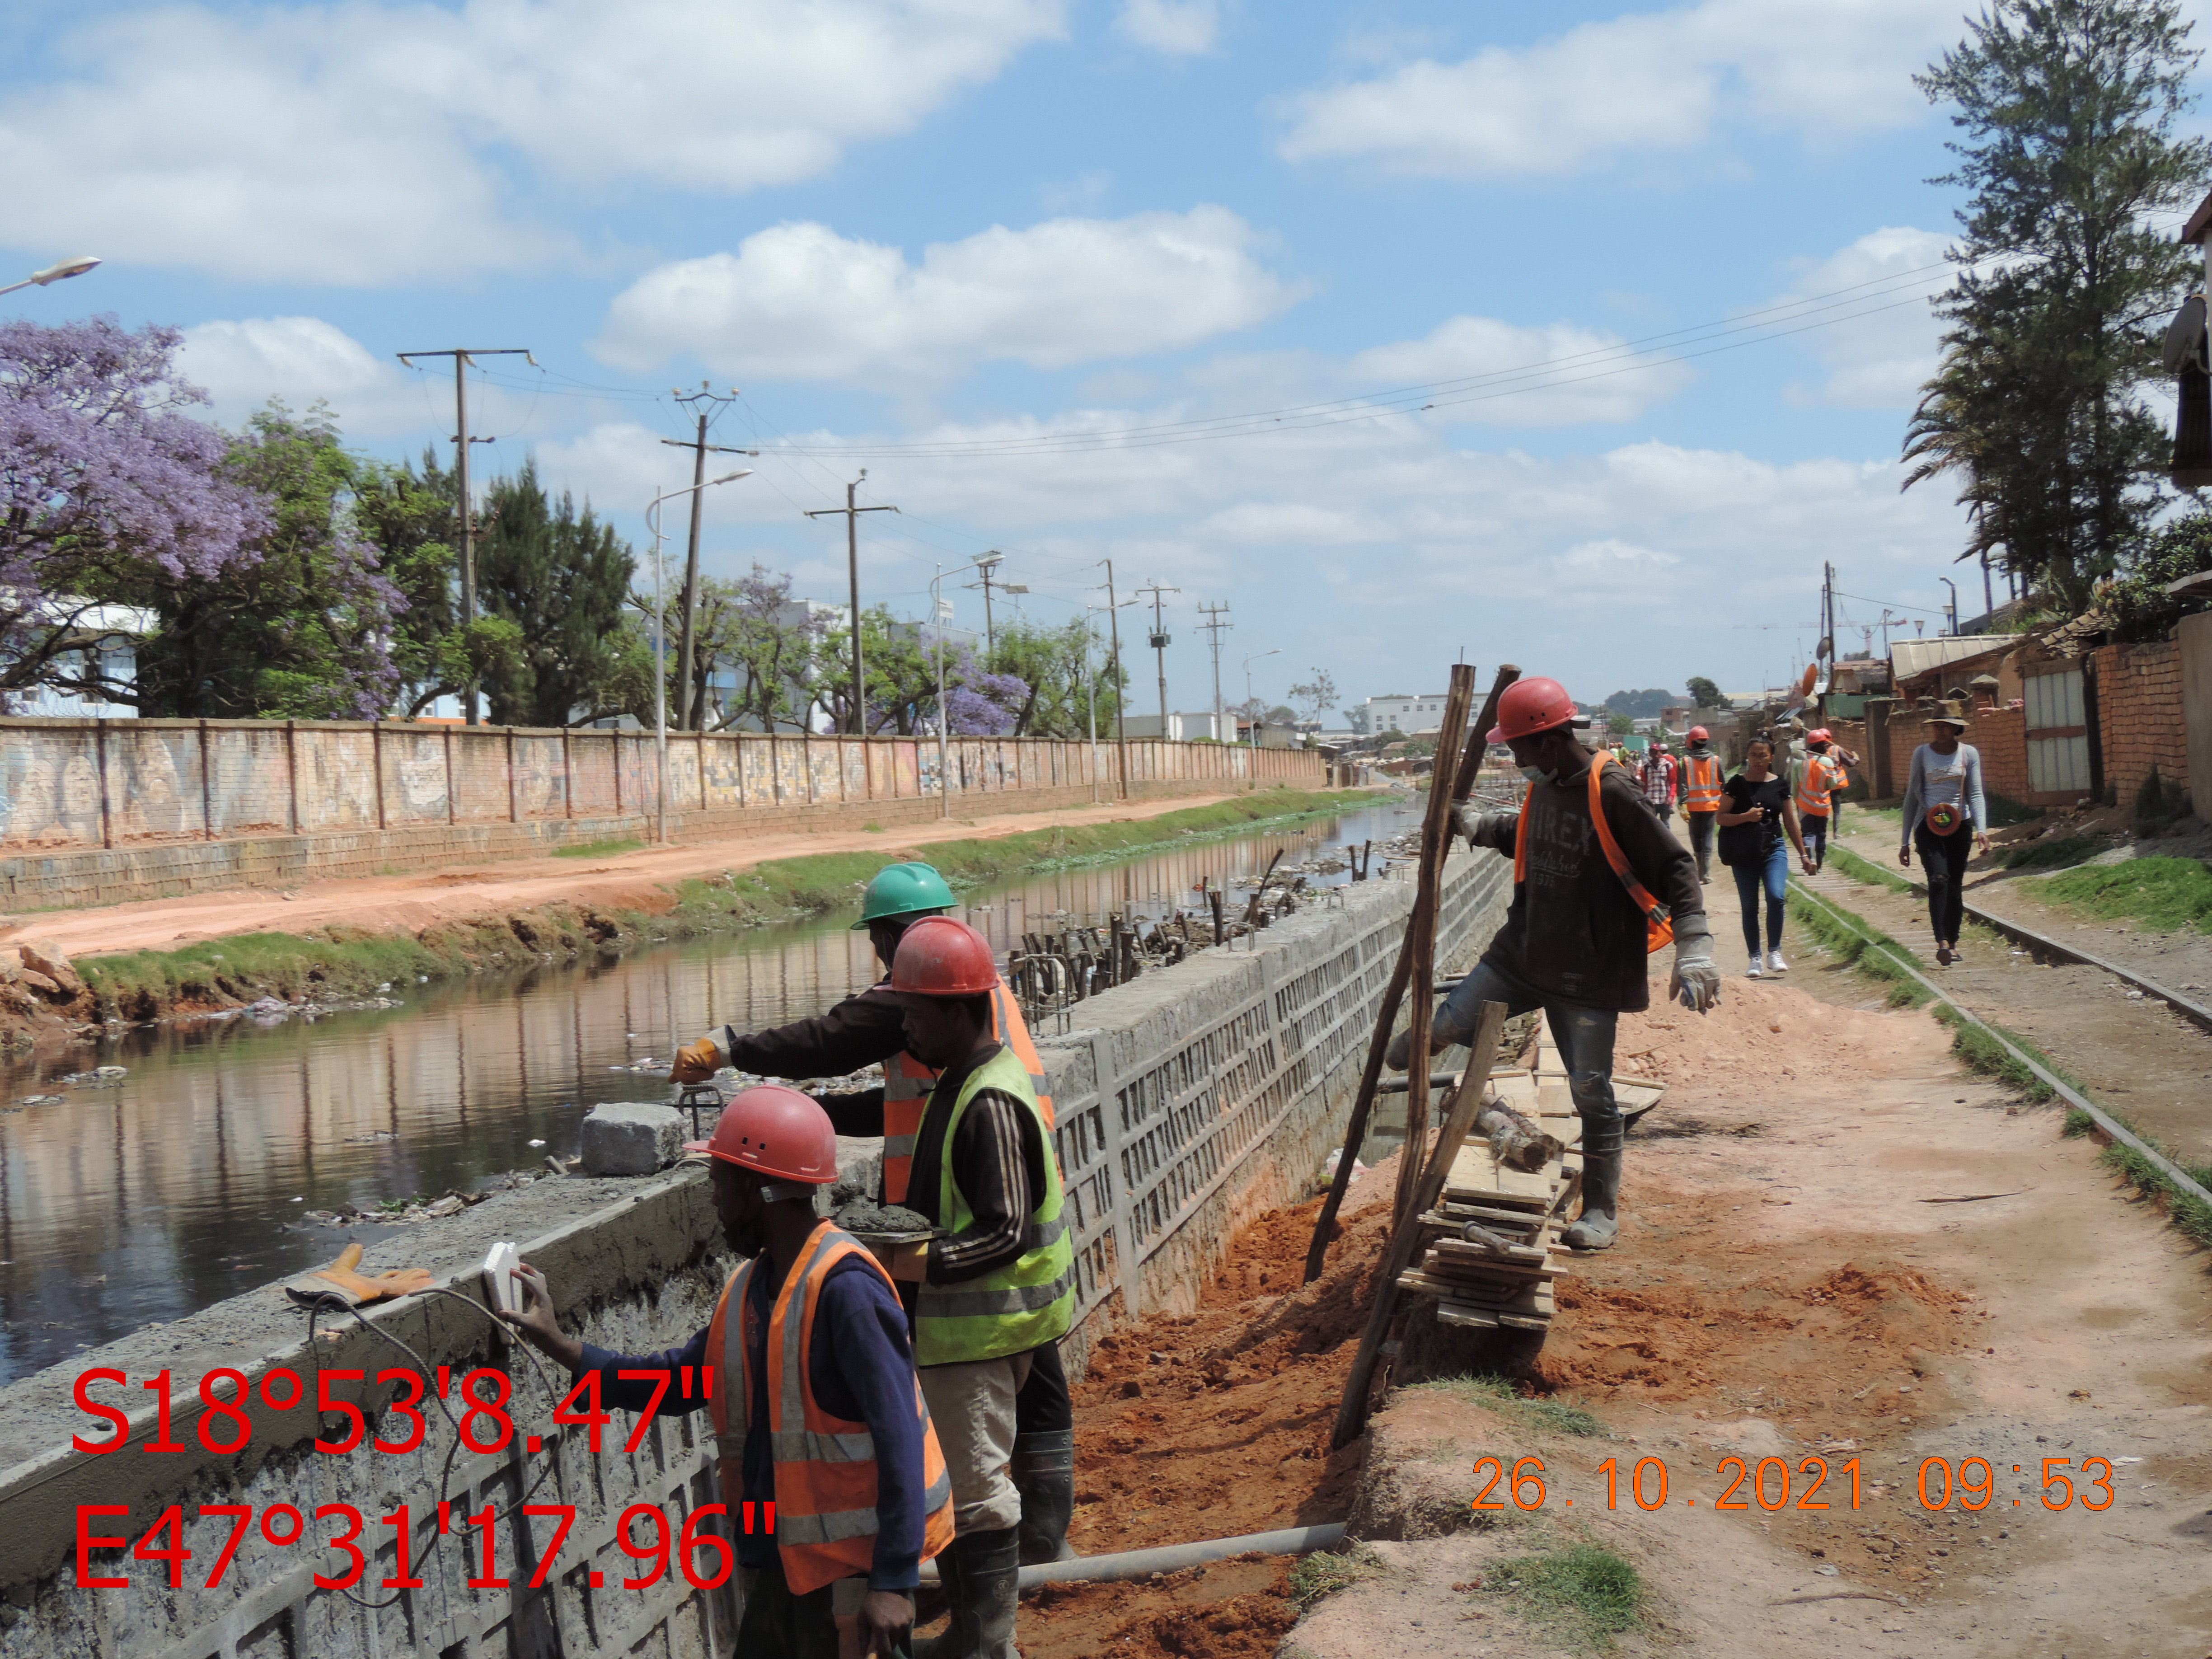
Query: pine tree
2068,109
561,577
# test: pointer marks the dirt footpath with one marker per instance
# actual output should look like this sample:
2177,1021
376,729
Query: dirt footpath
634,881
1837,1244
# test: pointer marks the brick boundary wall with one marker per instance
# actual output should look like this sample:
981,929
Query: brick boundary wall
2139,716
106,811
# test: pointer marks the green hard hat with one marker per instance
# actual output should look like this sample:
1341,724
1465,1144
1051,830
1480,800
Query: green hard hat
903,890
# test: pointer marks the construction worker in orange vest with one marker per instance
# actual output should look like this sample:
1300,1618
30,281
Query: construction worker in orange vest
1820,774
810,1380
1598,884
866,1031
1702,776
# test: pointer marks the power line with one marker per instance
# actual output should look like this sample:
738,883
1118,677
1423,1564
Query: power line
1159,646
1215,627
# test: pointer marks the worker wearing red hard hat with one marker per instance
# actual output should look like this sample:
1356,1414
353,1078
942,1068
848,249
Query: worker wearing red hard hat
1599,882
997,1282
1702,777
834,1428
1821,776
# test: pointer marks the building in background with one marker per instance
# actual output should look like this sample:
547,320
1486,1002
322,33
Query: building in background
1396,712
110,635
1180,728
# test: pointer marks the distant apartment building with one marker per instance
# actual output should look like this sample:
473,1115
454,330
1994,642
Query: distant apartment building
1180,728
1396,712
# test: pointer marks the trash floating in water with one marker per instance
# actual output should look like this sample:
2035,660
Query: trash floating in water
39,1100
534,1143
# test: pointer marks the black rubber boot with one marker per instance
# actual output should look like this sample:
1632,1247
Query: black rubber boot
1599,1224
1043,1472
982,1586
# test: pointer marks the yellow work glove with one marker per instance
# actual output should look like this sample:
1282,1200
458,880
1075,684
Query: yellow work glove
695,1062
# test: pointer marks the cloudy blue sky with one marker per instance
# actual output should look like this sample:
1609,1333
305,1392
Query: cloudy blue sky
1568,334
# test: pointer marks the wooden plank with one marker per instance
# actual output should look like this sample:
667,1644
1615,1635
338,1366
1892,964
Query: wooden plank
1452,1214
1451,1313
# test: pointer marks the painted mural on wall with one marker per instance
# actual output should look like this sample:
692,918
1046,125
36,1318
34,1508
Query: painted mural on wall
49,790
154,785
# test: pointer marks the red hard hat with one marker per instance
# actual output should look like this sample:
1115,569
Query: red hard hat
1819,736
940,956
1531,706
774,1131
1699,734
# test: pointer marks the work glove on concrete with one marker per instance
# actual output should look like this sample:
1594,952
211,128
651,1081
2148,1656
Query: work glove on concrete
1696,982
695,1062
1491,827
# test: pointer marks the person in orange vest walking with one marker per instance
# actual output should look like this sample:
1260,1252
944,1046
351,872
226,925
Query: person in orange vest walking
812,1390
1702,777
869,1029
1820,776
1599,884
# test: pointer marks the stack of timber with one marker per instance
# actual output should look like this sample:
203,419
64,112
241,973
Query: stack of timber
1491,1247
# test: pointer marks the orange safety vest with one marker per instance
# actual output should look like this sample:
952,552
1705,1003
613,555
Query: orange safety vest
1703,792
1821,775
1658,920
908,1083
825,1466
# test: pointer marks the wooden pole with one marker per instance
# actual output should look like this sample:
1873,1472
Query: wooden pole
1421,931
1405,1236
1387,1015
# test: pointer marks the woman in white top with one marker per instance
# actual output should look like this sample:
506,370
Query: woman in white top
1946,817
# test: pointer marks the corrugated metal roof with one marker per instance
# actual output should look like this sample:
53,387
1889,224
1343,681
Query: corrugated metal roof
1908,658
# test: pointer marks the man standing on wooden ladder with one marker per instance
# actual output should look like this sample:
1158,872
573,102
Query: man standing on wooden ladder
1588,858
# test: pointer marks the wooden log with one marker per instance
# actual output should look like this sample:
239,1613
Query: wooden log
1387,1016
1517,1143
1405,1238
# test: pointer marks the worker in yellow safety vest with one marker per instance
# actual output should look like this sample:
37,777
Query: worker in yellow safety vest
868,1030
1702,776
1818,777
806,1372
996,1282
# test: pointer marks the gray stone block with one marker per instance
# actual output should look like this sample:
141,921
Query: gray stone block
629,1138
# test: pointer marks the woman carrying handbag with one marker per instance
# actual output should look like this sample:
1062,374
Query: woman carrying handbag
1757,815
1946,817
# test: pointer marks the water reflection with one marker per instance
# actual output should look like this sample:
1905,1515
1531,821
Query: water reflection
186,1183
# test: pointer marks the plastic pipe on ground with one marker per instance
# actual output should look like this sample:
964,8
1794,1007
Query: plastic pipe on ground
1172,1558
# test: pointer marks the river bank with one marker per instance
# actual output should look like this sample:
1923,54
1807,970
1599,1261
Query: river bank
343,941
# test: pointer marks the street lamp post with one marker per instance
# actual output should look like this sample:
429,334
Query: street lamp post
944,719
660,648
1248,661
60,271
1953,586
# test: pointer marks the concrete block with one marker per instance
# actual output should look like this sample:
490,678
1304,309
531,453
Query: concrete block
632,1139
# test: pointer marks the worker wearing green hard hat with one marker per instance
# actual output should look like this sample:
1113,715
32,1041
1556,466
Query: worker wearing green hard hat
869,1029
903,893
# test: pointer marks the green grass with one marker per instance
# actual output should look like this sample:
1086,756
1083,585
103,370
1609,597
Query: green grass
2005,813
1860,947
2164,893
1322,1575
1890,817
2189,1214
1560,1416
141,984
2051,853
600,849
1585,1591
1864,870
1978,1046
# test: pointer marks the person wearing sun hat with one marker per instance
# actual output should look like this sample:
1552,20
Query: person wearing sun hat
1946,818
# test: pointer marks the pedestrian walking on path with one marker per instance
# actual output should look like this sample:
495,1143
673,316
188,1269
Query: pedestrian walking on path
1588,857
1820,774
1658,779
1946,818
1702,776
1753,827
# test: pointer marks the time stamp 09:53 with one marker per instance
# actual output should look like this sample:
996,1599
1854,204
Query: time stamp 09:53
1773,1484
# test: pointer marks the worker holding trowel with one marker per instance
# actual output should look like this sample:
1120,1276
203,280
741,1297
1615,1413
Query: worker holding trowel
868,1030
1599,884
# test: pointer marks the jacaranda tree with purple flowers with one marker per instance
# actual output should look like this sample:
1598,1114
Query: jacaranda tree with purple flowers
103,476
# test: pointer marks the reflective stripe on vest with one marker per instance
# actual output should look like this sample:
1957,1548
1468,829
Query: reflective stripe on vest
825,1466
1658,920
1814,784
1026,1302
1703,792
908,1082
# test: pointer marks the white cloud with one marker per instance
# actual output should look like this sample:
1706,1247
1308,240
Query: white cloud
1176,28
1628,88
383,142
302,360
1556,374
1880,357
798,301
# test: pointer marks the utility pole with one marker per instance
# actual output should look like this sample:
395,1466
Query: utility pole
987,565
1160,646
1214,625
1113,617
853,569
699,448
461,355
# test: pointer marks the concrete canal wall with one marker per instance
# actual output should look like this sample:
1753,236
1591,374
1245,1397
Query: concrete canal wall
1189,1101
